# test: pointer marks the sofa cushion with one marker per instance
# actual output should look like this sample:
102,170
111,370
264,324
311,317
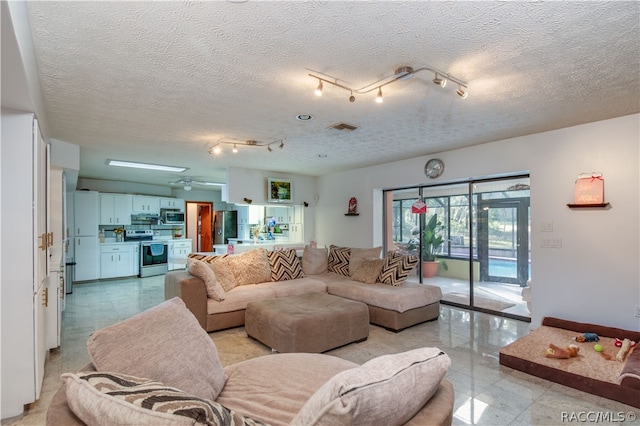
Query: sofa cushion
338,261
366,269
357,254
274,387
220,266
284,264
146,345
314,260
199,269
117,399
250,267
397,268
376,392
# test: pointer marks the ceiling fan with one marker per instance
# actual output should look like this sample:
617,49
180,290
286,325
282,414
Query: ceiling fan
187,183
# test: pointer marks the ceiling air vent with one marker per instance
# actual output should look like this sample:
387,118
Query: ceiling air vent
343,127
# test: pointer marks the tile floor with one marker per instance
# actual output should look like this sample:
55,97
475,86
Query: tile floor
486,393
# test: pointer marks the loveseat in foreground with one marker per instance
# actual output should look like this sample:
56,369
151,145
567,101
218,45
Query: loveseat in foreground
160,368
353,273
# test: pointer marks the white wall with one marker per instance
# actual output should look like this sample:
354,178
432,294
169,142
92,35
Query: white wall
595,276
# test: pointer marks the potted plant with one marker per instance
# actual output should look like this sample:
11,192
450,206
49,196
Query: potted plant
432,241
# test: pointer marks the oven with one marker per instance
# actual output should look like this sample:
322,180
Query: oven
154,257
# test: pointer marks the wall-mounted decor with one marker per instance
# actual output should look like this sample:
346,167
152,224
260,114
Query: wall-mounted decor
434,168
352,208
419,207
279,190
589,191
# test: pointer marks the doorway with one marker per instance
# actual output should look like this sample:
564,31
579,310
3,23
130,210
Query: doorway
199,224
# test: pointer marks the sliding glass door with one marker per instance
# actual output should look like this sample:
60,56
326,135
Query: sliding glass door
484,225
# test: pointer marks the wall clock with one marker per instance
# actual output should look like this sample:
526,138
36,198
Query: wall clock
433,168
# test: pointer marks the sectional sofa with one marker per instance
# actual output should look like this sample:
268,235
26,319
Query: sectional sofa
216,289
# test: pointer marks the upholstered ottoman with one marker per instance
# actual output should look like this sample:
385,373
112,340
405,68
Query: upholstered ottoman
310,322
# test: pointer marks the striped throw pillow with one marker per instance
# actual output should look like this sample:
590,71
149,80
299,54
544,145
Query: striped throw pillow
397,268
339,260
104,398
285,265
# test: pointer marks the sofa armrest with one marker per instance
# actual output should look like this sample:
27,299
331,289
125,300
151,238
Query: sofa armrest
630,376
190,289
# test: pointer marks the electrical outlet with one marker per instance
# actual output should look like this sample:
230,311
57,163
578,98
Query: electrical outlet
551,243
546,227
638,311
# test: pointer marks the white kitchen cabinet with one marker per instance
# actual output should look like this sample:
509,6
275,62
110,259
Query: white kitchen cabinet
115,209
178,253
55,295
244,232
296,233
145,204
24,247
172,203
87,261
86,213
116,260
298,214
281,214
243,215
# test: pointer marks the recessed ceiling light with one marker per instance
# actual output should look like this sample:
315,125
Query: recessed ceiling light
322,155
304,117
147,166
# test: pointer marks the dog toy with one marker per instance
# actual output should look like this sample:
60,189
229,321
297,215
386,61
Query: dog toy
619,343
554,351
625,347
587,337
598,347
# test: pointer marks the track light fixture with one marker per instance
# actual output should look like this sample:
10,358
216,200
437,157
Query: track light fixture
379,96
318,91
440,81
217,148
401,73
461,92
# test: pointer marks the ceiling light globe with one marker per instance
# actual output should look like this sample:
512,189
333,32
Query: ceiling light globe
352,98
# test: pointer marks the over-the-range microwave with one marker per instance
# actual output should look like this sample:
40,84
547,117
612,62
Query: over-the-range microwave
172,216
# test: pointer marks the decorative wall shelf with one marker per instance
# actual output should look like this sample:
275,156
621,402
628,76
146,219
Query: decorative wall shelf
352,214
579,206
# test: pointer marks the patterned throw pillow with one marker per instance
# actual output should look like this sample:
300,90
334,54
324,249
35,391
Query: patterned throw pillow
220,266
285,265
397,268
367,270
199,269
111,398
357,254
339,260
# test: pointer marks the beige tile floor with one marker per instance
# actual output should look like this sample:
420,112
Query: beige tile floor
486,393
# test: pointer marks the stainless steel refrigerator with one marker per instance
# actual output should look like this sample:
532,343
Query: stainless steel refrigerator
225,226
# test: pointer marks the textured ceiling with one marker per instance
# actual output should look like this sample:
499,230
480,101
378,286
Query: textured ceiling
163,81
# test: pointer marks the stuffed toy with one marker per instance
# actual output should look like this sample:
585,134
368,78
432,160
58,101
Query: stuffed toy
555,352
625,347
587,337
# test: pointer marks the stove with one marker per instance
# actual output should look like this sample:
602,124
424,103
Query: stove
138,235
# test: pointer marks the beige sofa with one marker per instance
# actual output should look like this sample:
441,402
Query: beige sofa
277,389
393,306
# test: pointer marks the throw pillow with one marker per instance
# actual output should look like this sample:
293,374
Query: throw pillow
199,269
165,342
220,267
388,390
397,268
338,261
285,265
314,260
116,399
250,267
367,269
357,254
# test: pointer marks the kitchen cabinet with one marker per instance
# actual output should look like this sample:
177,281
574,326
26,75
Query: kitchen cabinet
25,256
282,214
87,262
116,260
146,204
115,209
86,213
172,203
55,297
178,253
296,233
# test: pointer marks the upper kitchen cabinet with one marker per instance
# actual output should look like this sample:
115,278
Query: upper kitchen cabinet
115,209
86,213
146,204
172,203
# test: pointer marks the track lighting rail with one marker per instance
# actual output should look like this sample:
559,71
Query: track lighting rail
402,73
217,148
